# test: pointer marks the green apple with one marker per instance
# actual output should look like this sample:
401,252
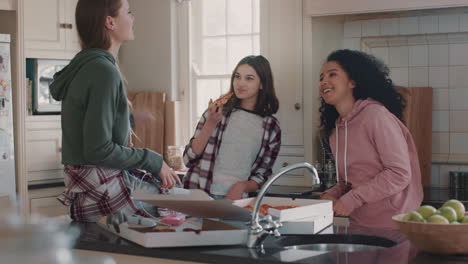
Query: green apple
449,213
454,223
437,219
464,220
426,211
413,217
457,205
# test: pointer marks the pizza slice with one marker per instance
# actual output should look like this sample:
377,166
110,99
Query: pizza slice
221,100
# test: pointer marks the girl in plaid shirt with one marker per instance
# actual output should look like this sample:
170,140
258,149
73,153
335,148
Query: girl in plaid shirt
96,151
235,146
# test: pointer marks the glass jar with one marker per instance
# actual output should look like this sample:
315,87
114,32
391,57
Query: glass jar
174,157
329,174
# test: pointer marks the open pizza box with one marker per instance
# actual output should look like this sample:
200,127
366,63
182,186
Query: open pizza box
199,204
202,228
300,216
193,232
298,208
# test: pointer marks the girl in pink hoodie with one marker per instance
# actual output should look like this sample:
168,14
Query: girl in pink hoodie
376,159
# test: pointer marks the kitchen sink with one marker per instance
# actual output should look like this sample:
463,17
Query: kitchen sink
333,242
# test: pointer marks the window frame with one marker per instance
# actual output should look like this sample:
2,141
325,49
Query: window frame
196,20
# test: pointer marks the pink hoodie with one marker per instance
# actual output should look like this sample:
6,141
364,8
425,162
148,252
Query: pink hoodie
377,164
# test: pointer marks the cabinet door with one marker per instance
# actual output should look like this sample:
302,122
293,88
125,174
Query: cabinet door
48,206
281,43
73,42
42,20
7,4
293,178
44,155
43,201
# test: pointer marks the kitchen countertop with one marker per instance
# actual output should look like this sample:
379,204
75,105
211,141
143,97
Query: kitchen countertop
95,238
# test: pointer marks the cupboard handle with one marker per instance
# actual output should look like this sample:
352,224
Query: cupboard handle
62,25
59,145
69,26
297,106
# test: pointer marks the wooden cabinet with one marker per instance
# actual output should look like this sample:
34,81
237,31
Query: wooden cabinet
44,149
49,29
7,4
339,7
44,202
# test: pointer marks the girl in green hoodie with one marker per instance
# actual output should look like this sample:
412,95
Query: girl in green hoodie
95,118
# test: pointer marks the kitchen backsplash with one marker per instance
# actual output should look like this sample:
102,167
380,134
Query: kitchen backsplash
426,50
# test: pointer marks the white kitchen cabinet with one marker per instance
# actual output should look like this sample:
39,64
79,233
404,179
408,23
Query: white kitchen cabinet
281,43
340,7
7,4
293,178
44,202
44,149
49,29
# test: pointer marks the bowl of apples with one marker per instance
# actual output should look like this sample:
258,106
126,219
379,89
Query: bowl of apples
440,231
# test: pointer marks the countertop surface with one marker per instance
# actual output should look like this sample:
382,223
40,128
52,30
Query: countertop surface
96,238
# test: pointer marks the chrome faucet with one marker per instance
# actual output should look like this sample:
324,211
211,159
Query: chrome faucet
258,232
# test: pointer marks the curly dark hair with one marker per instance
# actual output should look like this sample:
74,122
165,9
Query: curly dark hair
372,81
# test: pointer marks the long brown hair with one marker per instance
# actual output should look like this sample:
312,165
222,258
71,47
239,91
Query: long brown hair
267,102
90,18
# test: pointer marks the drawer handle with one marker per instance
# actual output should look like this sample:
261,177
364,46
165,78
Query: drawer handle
66,26
285,164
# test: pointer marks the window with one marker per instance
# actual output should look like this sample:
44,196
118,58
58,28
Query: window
223,32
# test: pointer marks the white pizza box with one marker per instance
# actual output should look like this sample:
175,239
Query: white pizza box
209,232
198,203
195,203
306,208
306,226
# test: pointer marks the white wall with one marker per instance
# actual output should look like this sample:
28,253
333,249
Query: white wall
157,60
147,61
428,49
324,35
340,7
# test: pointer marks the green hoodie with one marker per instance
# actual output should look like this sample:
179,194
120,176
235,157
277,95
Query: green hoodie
95,115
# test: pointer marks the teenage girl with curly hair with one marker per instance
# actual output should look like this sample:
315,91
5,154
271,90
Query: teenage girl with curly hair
376,160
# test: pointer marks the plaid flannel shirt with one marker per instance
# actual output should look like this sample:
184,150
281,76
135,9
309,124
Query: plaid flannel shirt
93,191
200,172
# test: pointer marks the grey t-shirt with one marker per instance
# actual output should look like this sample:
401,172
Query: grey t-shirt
240,145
